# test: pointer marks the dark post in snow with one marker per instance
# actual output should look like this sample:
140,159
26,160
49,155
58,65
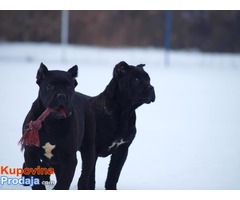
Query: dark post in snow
167,40
64,32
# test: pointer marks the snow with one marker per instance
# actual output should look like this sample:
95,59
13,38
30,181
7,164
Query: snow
187,139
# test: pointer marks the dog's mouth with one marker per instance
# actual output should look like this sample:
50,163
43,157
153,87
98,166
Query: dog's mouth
149,99
59,112
151,95
146,100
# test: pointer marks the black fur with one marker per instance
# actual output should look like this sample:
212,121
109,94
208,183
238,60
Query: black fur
57,90
115,116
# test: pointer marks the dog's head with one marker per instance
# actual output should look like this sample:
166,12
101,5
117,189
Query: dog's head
56,89
134,83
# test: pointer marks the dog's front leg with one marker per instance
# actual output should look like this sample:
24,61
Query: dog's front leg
92,181
32,161
116,163
88,165
67,170
88,154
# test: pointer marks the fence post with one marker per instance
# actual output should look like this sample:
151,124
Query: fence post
64,33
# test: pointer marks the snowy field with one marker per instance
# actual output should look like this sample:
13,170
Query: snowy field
189,138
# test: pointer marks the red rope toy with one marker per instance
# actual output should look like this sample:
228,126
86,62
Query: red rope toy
31,136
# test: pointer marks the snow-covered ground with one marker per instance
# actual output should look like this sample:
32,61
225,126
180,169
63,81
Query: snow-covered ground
188,139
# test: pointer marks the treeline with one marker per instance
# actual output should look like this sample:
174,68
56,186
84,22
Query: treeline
204,30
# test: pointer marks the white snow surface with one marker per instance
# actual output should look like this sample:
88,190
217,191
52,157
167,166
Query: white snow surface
189,138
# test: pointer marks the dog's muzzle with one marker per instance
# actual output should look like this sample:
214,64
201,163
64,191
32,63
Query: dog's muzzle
148,97
151,92
61,110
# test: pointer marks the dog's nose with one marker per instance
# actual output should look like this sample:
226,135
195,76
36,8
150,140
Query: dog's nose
150,88
61,97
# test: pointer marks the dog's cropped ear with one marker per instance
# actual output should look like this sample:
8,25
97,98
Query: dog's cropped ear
120,68
74,73
140,65
42,72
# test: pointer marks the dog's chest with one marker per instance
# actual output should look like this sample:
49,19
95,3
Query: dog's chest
48,148
116,144
53,139
114,132
48,145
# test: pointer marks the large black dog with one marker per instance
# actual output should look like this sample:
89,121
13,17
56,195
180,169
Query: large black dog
63,131
115,116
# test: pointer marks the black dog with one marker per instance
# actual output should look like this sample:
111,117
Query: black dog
63,131
115,116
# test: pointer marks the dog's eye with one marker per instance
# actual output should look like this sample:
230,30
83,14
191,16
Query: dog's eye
69,87
136,80
50,86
